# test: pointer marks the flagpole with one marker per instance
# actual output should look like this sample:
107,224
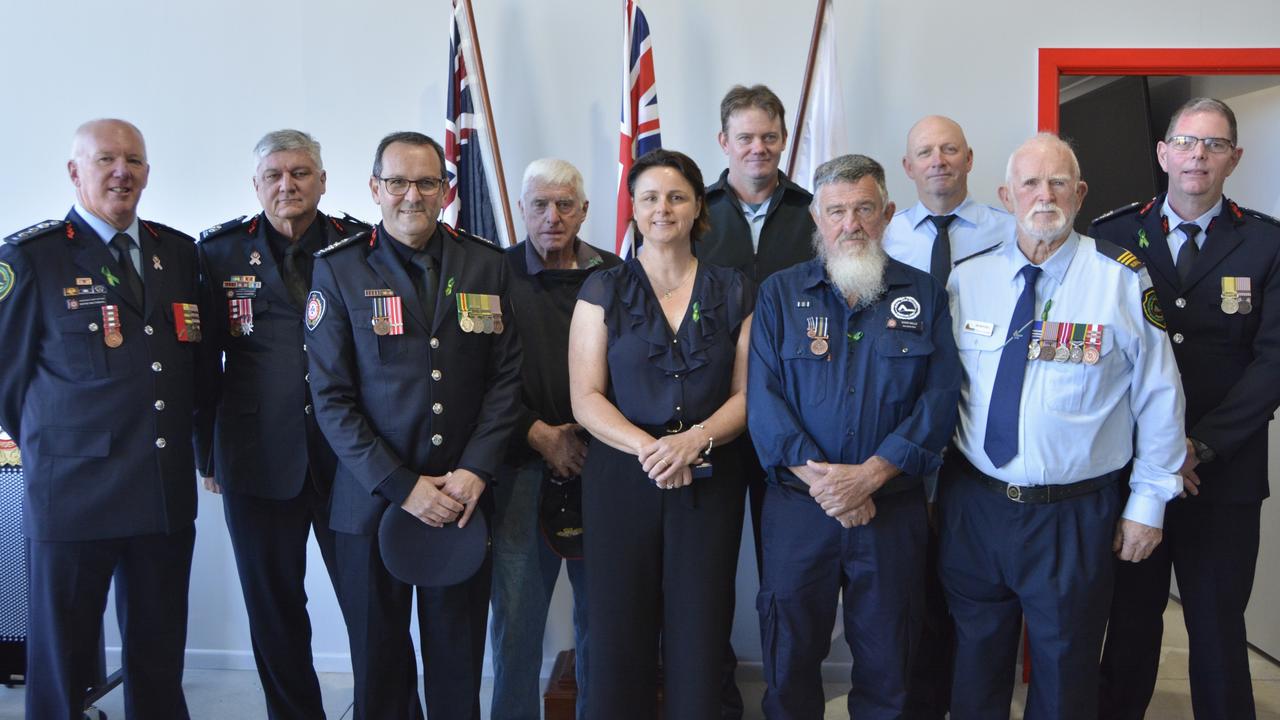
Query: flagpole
493,131
804,89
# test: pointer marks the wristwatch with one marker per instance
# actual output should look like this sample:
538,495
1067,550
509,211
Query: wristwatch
1204,453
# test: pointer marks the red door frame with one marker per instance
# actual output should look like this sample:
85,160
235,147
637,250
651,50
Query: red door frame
1056,62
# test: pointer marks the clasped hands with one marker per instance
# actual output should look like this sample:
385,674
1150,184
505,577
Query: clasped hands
438,500
844,491
669,460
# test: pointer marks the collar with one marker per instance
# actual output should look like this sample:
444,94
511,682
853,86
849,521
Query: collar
1056,266
583,253
434,248
1203,221
785,185
104,229
967,211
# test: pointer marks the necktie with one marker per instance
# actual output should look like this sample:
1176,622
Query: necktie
123,244
1189,252
1001,442
295,280
940,260
428,280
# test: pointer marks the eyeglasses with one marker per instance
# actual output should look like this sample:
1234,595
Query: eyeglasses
1187,143
400,186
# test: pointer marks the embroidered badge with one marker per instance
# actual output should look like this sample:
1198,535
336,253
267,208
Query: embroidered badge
1151,308
6,280
905,308
315,309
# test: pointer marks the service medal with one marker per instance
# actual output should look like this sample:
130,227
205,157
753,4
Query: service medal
111,334
1033,350
1230,299
819,346
497,324
467,324
1244,291
486,324
1090,355
1077,342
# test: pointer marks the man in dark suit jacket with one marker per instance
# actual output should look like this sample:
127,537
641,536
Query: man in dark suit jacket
1216,271
259,437
98,384
415,371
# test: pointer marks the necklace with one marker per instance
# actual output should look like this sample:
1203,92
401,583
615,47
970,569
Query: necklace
692,266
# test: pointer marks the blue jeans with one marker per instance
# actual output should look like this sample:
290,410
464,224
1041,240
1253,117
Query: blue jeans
524,576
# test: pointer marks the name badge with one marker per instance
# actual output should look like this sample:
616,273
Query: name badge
977,327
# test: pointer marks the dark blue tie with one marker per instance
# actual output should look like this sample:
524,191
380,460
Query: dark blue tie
1001,442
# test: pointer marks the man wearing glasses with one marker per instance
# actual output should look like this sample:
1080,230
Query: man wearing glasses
415,372
1212,263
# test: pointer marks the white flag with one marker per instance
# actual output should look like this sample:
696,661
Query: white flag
821,135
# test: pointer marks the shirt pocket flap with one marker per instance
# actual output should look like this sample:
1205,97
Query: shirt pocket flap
84,322
902,344
985,343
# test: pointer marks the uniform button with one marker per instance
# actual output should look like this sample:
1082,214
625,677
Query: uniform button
159,405
93,327
156,367
904,350
160,443
1180,302
675,341
304,347
436,374
850,388
437,408
677,376
149,330
1177,338
435,343
307,377
437,439
307,409
677,408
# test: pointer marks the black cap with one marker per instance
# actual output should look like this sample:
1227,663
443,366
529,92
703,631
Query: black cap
560,515
419,554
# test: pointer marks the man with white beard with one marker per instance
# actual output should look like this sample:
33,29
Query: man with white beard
1068,376
852,395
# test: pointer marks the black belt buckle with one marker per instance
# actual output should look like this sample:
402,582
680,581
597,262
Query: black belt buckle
1014,493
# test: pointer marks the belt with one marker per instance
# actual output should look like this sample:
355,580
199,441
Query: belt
1031,494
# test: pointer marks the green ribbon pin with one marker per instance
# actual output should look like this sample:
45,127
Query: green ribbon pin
594,262
112,280
855,336
697,311
1142,238
448,288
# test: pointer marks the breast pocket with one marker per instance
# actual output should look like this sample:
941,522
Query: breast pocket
1064,386
980,356
265,316
390,347
903,362
81,338
805,371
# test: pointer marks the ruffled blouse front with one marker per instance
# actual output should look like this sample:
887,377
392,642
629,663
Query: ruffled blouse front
658,377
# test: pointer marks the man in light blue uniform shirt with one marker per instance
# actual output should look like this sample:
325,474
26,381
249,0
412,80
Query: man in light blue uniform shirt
946,225
1031,504
942,228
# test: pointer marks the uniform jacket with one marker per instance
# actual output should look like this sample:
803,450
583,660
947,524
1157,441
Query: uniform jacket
785,240
258,432
432,399
105,433
1229,363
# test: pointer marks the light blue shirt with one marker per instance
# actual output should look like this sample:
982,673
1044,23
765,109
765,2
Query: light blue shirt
107,232
1176,237
909,237
1076,421
755,219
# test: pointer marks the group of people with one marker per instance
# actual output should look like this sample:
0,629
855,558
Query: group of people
954,417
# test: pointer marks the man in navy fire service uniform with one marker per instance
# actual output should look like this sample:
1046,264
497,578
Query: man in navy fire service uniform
98,384
415,371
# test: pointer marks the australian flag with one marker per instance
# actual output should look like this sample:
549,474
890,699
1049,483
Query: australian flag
640,126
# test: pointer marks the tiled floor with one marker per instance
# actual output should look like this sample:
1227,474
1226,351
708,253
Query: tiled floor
236,694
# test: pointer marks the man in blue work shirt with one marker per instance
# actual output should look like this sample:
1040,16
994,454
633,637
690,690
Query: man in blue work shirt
1063,348
852,396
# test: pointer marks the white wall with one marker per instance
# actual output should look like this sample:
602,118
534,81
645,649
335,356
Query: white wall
205,80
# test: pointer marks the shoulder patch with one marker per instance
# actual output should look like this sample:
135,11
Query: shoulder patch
345,242
6,280
152,227
348,225
1151,308
35,231
223,228
1119,212
967,258
315,309
1117,253
1260,216
459,233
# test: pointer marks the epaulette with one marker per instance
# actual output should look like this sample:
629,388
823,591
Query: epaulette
1118,212
967,258
1117,253
152,226
459,233
223,228
35,231
344,242
1259,215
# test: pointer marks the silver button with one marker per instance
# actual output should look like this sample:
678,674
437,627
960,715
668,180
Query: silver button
436,374
1180,302
149,330
437,408
677,376
307,377
156,367
159,405
93,327
1177,338
304,347
435,343
437,439
675,341
160,443
904,350
307,409
677,408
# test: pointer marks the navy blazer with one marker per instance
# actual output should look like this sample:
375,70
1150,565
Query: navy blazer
258,433
1229,363
105,432
429,400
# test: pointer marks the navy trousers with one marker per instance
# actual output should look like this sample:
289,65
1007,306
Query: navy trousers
1001,561
269,538
809,560
1214,550
67,594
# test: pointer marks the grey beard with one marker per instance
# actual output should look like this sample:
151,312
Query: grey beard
856,273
